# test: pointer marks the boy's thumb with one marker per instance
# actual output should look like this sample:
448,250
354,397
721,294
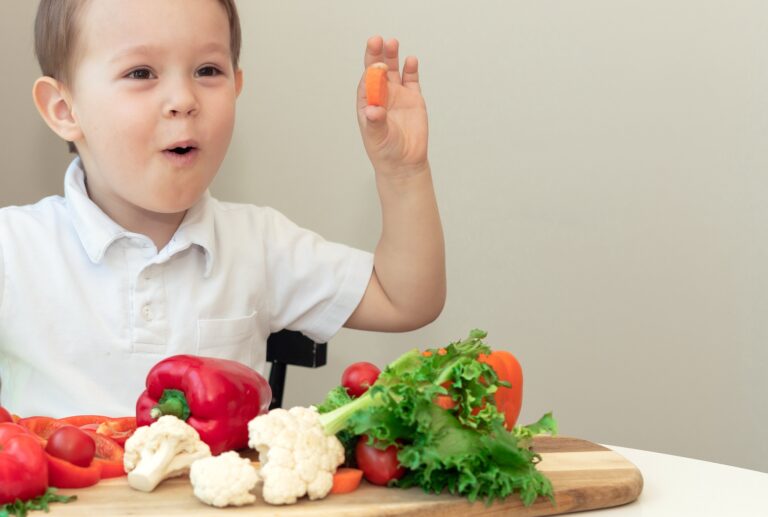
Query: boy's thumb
375,122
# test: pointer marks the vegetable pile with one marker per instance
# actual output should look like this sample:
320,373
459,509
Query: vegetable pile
438,413
443,419
79,456
40,453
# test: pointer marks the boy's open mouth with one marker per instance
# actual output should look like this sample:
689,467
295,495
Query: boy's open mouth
182,153
181,150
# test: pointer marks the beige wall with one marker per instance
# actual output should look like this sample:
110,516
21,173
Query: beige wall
601,171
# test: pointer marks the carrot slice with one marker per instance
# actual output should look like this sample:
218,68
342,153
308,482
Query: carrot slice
376,84
445,402
346,480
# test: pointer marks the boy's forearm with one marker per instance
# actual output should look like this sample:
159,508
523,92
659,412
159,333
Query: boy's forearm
409,260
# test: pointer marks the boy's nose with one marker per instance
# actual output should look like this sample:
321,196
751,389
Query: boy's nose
181,102
188,109
176,113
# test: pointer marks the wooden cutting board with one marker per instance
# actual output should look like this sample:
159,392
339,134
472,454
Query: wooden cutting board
584,475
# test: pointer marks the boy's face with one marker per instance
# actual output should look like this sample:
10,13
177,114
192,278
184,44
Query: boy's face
151,76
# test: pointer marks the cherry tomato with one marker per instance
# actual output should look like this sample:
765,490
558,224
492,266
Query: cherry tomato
73,445
358,377
379,466
5,416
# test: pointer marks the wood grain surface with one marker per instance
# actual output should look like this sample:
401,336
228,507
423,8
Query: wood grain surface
584,475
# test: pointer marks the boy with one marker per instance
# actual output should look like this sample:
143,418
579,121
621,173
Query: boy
138,262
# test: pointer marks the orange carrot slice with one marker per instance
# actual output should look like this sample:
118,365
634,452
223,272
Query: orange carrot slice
346,480
376,84
445,402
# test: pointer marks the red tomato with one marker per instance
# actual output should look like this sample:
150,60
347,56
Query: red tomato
5,416
358,377
73,445
379,466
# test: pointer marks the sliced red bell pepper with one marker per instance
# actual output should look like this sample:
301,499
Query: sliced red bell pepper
23,465
63,474
109,455
81,420
119,429
41,426
107,463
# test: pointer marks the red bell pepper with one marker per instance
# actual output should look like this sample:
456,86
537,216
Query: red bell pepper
217,397
23,465
40,426
63,474
109,455
107,463
5,416
119,429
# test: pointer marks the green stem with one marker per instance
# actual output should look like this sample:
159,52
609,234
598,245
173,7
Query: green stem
172,402
334,421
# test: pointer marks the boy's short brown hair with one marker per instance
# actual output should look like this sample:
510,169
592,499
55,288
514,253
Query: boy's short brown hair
56,28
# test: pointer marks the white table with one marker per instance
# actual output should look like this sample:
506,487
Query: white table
678,486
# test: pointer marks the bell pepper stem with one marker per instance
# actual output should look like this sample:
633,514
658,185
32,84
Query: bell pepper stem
172,402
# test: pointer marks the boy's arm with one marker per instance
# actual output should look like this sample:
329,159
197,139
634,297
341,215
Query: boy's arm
407,287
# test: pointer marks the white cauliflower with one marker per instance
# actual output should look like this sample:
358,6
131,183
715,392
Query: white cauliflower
162,450
296,455
224,480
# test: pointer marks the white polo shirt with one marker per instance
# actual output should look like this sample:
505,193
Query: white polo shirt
87,308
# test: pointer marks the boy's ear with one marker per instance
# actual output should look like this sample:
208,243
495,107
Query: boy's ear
238,81
55,108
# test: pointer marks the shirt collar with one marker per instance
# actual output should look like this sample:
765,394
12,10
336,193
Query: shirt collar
97,231
197,228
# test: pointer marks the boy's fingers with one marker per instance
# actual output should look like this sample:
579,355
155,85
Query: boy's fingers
362,100
391,58
375,125
411,73
374,51
376,117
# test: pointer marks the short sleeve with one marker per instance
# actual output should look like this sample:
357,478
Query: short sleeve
314,284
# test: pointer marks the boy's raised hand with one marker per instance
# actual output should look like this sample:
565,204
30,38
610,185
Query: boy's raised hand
407,286
395,136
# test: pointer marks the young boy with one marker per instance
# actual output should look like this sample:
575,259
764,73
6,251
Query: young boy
138,262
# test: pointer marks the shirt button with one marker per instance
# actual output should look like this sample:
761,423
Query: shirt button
147,312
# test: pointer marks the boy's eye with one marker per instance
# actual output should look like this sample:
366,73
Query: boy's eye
208,71
139,73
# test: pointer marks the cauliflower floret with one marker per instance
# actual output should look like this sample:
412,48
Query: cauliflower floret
162,450
296,455
224,480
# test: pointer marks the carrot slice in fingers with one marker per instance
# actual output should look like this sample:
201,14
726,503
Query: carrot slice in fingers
376,84
346,480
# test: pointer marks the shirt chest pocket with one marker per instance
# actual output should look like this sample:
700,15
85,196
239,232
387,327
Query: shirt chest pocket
228,338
